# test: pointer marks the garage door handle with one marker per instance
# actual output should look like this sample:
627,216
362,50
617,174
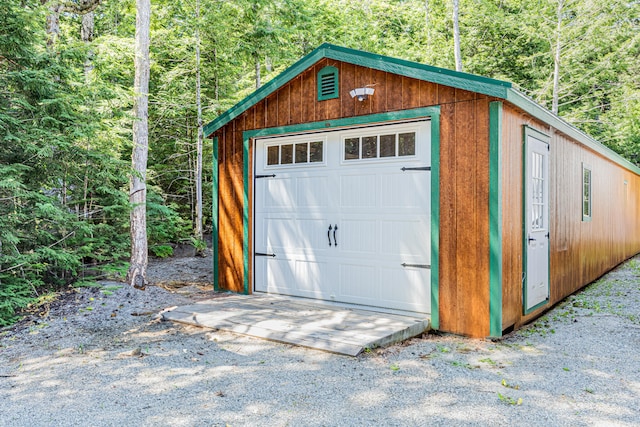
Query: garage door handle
335,242
329,234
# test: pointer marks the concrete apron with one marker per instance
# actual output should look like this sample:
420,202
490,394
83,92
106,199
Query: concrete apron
319,326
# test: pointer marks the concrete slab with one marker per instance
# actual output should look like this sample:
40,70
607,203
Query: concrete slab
342,330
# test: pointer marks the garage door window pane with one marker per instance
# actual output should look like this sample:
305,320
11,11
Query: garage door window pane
286,153
369,147
407,144
315,151
351,148
387,145
273,155
301,153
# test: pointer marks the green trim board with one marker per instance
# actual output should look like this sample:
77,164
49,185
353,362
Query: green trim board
435,219
470,82
433,113
215,216
526,132
495,219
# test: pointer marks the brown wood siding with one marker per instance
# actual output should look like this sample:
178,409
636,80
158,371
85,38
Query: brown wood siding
580,251
464,220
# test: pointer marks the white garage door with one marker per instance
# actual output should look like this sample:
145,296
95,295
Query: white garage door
345,216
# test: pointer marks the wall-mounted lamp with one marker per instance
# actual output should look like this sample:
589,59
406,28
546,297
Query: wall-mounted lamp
361,93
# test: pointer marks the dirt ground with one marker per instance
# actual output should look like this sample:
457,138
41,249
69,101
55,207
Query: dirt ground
101,356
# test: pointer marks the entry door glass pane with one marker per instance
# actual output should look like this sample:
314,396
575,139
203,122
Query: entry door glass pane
537,192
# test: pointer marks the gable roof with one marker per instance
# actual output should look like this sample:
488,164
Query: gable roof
459,80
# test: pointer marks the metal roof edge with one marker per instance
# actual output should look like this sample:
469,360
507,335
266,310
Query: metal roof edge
523,102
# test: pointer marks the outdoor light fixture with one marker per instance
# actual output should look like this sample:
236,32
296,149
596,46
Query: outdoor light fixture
361,93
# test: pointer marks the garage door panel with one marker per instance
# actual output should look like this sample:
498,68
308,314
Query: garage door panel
313,192
312,234
357,236
277,274
358,191
406,288
310,277
382,214
397,190
278,192
405,238
358,283
280,234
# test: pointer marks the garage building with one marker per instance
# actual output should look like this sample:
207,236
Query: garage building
361,179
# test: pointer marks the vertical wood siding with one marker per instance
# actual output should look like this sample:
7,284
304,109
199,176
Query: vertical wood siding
580,251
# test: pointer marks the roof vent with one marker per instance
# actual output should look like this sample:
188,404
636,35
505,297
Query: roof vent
327,83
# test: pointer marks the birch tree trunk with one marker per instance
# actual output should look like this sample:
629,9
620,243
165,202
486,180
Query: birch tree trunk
456,35
198,227
136,276
556,60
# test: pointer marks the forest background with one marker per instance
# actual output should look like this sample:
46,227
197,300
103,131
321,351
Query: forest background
66,99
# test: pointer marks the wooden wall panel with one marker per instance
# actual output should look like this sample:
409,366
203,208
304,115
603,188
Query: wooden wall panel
295,114
394,92
379,98
362,79
284,105
410,93
308,92
580,251
347,83
271,110
464,218
447,267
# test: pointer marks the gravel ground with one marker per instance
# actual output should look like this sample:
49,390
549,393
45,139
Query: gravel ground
101,357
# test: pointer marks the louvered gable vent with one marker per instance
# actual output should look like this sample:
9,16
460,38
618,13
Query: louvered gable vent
327,83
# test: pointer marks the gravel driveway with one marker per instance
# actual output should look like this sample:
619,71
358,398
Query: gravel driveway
100,357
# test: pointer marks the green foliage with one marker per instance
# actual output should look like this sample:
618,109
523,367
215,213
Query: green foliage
65,109
161,251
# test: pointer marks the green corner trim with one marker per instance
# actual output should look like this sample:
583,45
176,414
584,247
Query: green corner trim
215,216
245,213
435,219
495,219
433,113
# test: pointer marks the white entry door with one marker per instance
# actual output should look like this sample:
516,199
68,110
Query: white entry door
344,216
536,284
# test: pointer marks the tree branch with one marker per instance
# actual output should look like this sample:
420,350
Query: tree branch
82,7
